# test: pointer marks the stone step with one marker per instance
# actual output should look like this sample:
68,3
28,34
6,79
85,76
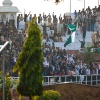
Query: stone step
75,45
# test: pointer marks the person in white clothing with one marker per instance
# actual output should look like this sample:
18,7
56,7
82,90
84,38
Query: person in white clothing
88,71
14,59
71,59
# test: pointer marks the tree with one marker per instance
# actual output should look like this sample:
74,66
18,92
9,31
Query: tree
29,63
89,54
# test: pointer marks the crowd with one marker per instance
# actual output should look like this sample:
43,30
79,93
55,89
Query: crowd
56,61
60,62
11,52
55,26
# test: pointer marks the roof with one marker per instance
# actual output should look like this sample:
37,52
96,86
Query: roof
9,9
7,3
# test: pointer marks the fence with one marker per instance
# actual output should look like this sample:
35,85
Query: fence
82,50
79,79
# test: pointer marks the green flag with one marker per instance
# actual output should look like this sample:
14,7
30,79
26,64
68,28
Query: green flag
71,38
71,27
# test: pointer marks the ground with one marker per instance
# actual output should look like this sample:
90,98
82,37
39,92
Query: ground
70,91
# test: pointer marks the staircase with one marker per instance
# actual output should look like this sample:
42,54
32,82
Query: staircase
75,45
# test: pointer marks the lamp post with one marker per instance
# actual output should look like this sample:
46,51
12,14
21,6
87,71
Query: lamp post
98,3
10,66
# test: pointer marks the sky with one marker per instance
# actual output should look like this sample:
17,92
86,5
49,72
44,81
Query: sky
40,6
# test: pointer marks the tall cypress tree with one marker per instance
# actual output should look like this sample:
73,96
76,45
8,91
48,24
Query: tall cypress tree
29,63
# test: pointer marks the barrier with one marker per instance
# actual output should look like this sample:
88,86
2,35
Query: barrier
82,50
79,79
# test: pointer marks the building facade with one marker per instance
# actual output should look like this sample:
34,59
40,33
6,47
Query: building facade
8,13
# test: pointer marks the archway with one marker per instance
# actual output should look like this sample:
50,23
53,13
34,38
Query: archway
11,17
3,18
11,20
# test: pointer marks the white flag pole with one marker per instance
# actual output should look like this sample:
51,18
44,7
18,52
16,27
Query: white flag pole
84,4
70,7
98,3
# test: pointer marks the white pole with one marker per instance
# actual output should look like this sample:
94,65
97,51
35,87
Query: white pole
3,76
3,69
3,46
98,3
70,7
84,4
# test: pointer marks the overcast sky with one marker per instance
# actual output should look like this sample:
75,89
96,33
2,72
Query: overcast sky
40,6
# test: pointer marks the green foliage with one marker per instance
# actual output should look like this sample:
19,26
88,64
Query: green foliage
9,83
89,54
29,63
49,95
8,95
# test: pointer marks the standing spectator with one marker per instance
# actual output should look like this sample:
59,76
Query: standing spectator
55,24
92,23
26,19
79,13
99,69
21,17
53,16
30,17
88,71
45,19
49,20
84,31
18,20
59,18
70,20
89,23
35,17
26,16
96,27
60,24
51,36
39,19
75,14
98,9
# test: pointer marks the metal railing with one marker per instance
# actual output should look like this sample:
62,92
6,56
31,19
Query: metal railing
79,79
82,50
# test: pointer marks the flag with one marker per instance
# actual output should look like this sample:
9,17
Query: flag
71,38
71,27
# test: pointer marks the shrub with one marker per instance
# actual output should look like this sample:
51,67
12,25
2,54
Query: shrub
9,83
49,95
8,86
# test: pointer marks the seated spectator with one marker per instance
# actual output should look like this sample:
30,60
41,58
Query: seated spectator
51,36
56,39
59,39
96,27
43,41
